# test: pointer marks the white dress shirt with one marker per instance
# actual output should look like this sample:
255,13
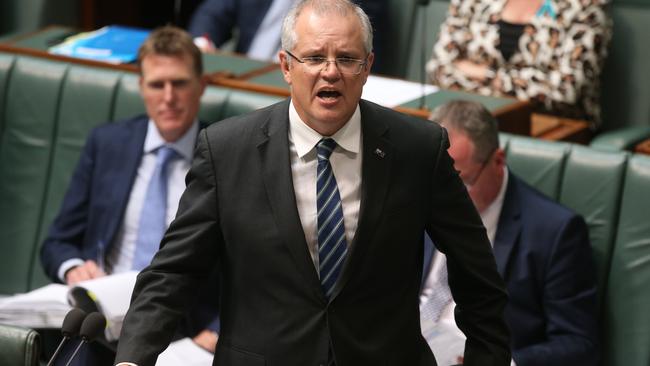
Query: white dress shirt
346,164
120,256
490,218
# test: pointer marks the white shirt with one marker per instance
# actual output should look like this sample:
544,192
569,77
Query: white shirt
346,164
490,218
120,256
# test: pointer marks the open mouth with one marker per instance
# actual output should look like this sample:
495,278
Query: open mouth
328,94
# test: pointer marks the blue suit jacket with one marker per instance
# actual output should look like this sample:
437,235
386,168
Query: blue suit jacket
543,253
94,205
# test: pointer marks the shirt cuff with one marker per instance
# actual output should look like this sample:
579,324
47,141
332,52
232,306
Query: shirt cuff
126,364
66,266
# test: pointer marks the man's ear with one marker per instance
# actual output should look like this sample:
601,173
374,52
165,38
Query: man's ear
284,66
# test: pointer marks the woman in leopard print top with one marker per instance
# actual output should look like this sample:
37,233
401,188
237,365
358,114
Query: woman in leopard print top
547,51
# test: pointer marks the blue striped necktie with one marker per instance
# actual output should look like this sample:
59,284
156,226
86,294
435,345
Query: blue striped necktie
153,216
332,246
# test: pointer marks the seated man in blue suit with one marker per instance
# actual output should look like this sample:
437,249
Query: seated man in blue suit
130,176
258,24
541,248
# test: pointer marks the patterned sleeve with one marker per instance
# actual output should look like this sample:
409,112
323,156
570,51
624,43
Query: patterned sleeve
567,76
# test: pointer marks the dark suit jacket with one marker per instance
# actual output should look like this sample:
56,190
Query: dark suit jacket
94,205
218,19
543,253
239,209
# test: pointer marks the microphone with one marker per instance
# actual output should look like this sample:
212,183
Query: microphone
69,329
91,328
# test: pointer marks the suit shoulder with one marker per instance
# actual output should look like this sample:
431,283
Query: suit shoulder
537,203
247,123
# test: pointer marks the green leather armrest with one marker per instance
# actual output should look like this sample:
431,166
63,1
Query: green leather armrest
621,139
19,346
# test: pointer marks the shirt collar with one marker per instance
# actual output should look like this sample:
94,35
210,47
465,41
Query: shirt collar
183,146
305,138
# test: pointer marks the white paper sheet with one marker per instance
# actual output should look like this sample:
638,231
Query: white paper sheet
393,92
184,352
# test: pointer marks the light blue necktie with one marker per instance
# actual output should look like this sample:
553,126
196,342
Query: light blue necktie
332,246
439,299
153,216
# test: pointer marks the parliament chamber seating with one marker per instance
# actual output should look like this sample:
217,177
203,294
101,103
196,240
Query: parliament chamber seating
19,346
46,110
48,107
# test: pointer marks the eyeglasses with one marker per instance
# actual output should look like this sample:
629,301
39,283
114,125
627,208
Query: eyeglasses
345,65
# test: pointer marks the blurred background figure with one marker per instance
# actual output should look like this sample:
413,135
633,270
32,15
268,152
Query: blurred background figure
548,51
254,26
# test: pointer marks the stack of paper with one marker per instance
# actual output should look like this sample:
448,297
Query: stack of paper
184,352
42,308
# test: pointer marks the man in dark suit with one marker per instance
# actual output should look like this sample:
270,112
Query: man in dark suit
101,227
314,209
257,24
541,248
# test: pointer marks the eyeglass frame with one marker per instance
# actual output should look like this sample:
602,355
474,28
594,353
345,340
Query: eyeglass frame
361,62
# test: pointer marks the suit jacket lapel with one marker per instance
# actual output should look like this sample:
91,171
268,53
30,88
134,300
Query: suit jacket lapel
273,146
375,178
123,171
509,227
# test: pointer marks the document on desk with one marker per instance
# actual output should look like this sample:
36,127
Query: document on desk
393,92
184,352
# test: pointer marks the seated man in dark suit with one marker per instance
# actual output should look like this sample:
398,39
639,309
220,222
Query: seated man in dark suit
258,24
541,248
127,184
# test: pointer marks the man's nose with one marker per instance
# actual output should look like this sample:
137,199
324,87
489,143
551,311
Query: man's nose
330,70
168,92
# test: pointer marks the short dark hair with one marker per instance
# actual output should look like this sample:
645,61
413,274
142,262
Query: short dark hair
474,120
171,41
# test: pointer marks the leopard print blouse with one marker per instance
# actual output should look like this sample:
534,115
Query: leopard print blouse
557,64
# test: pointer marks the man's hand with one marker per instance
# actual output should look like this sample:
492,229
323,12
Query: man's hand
207,340
87,271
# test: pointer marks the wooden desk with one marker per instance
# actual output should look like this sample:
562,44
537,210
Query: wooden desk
643,147
235,71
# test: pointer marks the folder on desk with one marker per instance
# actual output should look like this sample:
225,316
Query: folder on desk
114,44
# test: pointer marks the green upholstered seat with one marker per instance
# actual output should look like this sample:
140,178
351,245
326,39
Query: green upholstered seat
400,18
6,65
240,102
591,185
435,14
626,317
128,101
86,100
539,163
213,102
25,157
19,346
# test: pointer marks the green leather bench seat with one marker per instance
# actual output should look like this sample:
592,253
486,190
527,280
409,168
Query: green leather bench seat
611,191
47,109
19,346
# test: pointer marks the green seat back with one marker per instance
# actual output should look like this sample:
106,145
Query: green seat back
626,315
86,101
19,346
240,102
25,155
626,80
128,101
435,14
213,103
6,65
539,163
591,186
401,14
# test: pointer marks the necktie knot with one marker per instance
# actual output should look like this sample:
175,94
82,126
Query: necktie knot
165,154
324,149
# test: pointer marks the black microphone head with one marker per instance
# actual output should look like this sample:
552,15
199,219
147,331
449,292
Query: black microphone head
72,322
92,326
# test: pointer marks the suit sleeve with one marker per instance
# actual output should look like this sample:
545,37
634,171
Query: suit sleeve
188,253
216,18
66,234
478,290
569,301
